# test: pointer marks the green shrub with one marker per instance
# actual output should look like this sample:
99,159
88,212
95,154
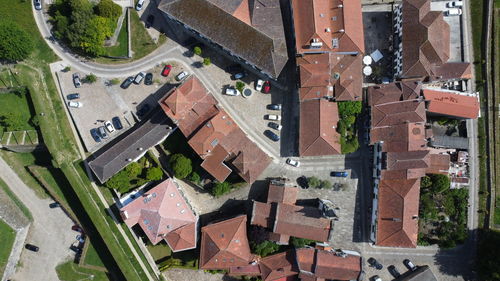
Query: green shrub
15,43
207,61
91,78
220,189
181,165
348,108
425,182
120,182
325,184
108,9
265,248
67,68
313,182
301,242
240,86
440,183
133,169
114,81
154,174
194,177
197,51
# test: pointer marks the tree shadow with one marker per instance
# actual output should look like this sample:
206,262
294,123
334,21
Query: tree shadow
459,261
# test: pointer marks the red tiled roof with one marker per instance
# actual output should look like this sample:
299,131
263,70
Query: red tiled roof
331,266
303,222
389,114
326,21
263,214
397,225
419,159
225,244
439,164
426,38
393,92
451,104
317,135
214,164
452,70
399,138
348,86
163,213
305,259
282,193
278,266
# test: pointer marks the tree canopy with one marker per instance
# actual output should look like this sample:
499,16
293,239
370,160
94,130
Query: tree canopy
15,43
154,174
347,108
220,189
181,165
265,248
108,9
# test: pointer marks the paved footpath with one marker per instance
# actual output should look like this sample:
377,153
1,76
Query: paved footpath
50,230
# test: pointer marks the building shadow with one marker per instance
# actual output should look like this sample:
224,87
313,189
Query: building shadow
459,261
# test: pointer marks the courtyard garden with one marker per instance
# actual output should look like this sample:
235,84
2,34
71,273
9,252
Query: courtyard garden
346,127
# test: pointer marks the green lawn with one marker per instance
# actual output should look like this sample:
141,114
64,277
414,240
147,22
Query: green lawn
8,236
69,271
16,105
16,201
121,49
142,44
92,257
159,251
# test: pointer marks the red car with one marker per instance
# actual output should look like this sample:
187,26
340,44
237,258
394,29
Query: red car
267,87
77,228
166,70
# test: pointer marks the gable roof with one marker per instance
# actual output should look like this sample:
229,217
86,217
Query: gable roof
278,266
164,214
400,138
247,31
303,222
452,104
397,225
315,264
282,193
439,164
131,146
335,25
394,113
393,92
425,39
317,135
225,244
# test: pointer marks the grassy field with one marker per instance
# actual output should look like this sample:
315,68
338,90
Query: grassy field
69,271
121,49
17,105
16,201
8,236
92,257
142,44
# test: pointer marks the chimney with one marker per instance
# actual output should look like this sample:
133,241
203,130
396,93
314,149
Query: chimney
125,214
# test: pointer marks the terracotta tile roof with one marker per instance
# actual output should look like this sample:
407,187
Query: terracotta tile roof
419,159
336,25
248,270
389,114
397,210
225,244
303,222
331,266
425,39
317,264
451,104
278,266
249,30
282,193
403,174
393,92
317,135
189,105
399,138
163,213
452,70
214,164
263,214
348,68
439,164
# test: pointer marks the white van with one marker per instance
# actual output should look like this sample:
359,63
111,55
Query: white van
454,4
453,12
139,5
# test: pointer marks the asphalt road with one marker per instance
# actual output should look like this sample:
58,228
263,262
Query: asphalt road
50,230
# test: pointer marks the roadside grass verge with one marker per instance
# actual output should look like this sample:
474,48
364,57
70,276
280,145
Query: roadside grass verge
92,257
16,201
477,23
8,236
496,87
121,47
70,271
142,44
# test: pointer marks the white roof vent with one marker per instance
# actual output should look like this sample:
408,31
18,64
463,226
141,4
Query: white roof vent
342,30
328,29
183,211
172,194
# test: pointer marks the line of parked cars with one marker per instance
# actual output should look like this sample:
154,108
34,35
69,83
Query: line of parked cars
273,125
147,77
102,132
391,268
455,8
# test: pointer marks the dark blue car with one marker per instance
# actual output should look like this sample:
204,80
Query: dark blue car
339,174
117,123
95,135
271,135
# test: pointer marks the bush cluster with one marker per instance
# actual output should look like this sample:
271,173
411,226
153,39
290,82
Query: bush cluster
346,126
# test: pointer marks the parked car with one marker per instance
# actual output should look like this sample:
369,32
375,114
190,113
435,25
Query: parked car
38,4
139,5
138,78
271,135
166,70
292,162
125,84
234,68
102,132
273,117
76,80
240,75
31,247
95,135
109,126
375,278
302,182
181,76
409,265
143,110
339,174
274,106
54,205
454,4
232,92
275,126
453,12
375,264
267,87
80,238
117,123
75,249
258,85
77,228
75,104
393,271
150,20
148,80
73,96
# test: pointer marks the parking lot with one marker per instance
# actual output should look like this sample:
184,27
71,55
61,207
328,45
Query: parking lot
101,101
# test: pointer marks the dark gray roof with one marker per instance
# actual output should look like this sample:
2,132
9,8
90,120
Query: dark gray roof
136,143
422,273
261,44
450,142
